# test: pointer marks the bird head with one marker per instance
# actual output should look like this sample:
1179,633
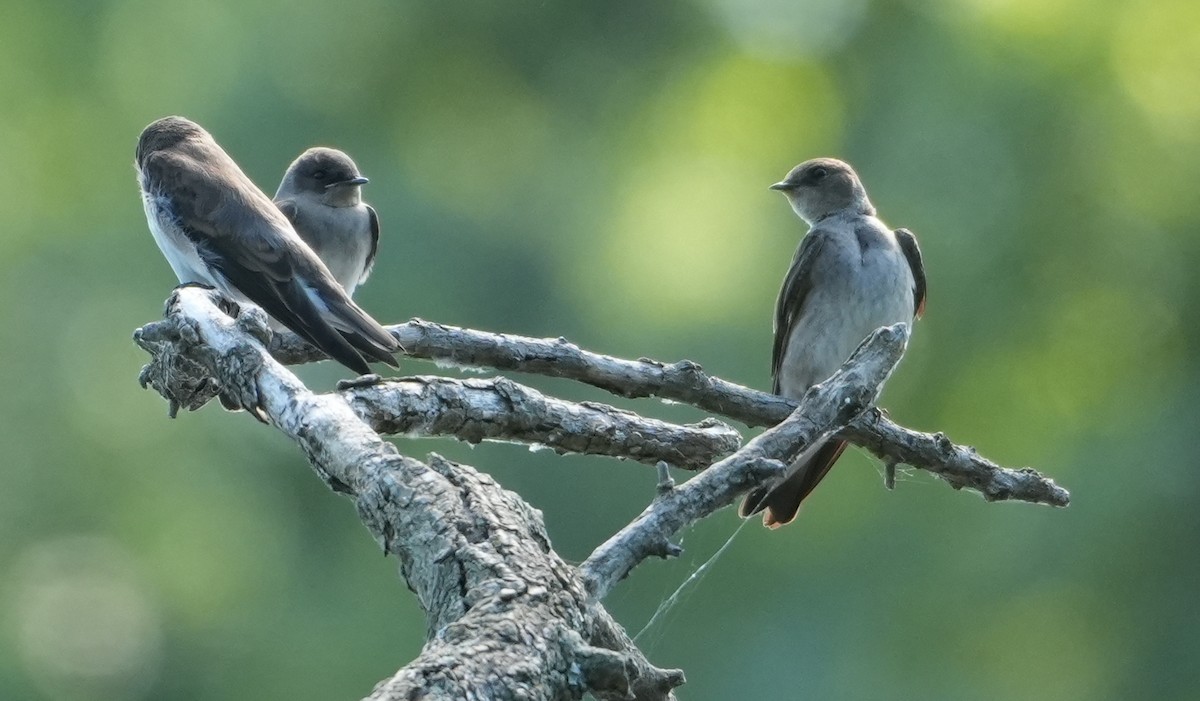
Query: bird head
325,173
165,133
824,186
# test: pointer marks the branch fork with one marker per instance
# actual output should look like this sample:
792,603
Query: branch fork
507,617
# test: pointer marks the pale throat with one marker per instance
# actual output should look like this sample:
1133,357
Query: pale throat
812,215
349,196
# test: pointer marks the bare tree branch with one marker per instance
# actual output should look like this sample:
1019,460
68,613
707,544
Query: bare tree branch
500,409
958,465
508,619
686,382
824,410
450,345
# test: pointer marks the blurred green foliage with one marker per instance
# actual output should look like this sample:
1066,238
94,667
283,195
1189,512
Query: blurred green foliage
599,171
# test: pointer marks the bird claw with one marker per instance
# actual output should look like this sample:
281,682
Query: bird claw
253,321
369,380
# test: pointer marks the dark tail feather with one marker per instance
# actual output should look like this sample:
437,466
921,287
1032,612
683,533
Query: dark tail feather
291,306
370,349
782,501
753,503
362,331
334,343
286,298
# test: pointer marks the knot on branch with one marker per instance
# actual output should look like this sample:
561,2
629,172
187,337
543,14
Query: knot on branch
664,549
183,366
609,674
760,469
687,373
172,371
665,481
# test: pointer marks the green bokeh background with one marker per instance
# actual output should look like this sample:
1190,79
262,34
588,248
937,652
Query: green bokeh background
599,171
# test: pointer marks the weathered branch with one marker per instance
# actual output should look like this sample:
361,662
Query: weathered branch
508,619
450,345
958,465
686,382
500,409
825,409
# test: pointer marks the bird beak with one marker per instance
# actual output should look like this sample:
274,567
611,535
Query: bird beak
782,186
360,180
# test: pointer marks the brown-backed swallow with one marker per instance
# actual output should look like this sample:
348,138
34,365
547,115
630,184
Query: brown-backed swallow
851,275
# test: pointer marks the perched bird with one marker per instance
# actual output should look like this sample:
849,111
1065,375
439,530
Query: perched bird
217,228
321,195
851,275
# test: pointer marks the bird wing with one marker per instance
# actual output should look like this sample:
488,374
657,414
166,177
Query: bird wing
792,296
782,500
370,261
289,209
912,253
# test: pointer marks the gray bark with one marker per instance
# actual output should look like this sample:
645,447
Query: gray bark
507,617
687,383
499,409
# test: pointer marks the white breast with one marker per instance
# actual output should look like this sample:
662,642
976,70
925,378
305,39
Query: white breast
179,251
176,248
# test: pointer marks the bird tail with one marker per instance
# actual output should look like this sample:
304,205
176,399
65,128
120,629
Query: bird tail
329,321
782,501
318,311
360,330
304,311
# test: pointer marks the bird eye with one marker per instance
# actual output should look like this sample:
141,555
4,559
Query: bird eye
319,175
819,172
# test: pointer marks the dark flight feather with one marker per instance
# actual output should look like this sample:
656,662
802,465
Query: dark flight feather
912,253
370,262
792,296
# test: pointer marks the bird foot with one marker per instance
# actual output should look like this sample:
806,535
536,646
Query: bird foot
253,321
369,380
